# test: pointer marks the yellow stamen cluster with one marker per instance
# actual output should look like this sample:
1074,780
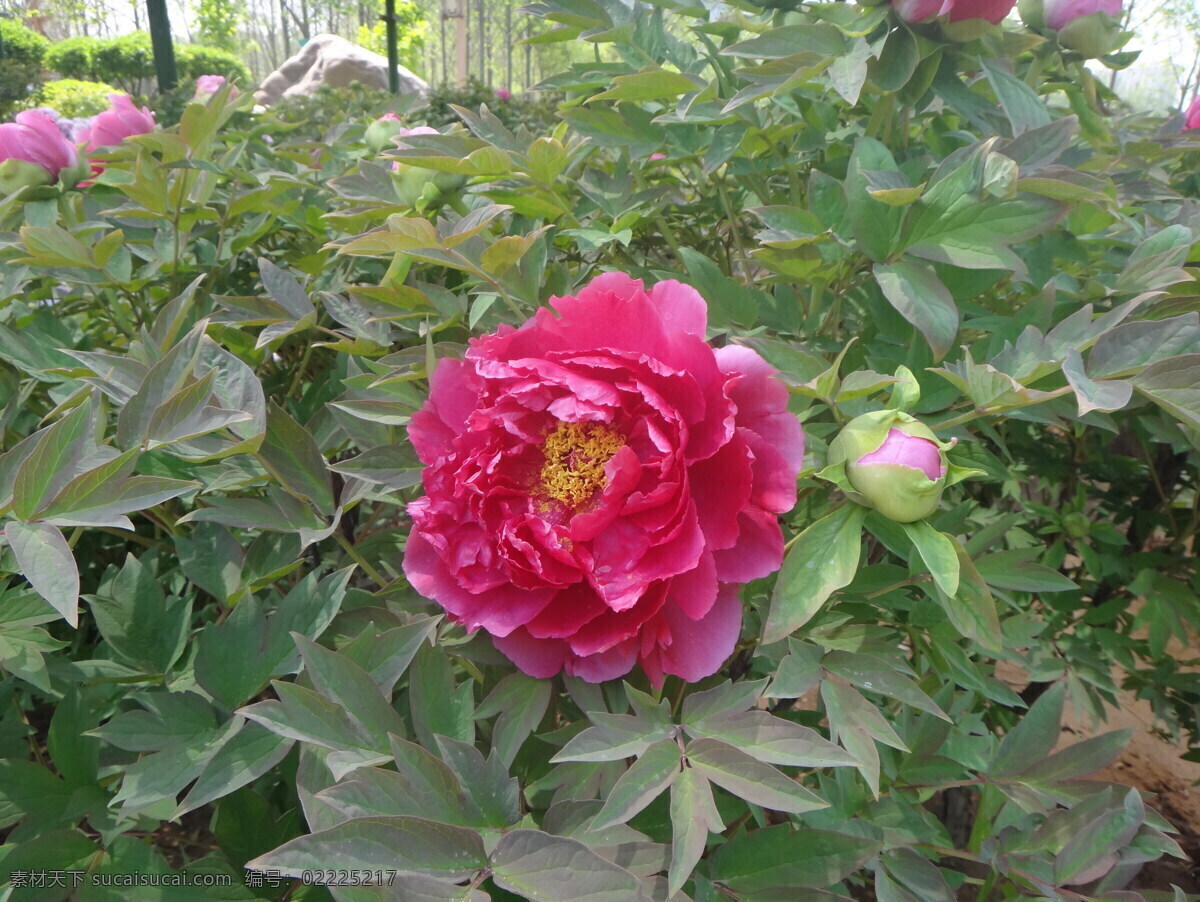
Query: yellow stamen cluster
575,457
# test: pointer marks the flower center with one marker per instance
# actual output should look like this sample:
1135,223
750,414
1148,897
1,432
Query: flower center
575,457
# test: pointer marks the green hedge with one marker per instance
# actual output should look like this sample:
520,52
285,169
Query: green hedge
73,98
127,61
21,65
74,58
194,60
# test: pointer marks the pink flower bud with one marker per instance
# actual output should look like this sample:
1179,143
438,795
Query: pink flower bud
503,94
35,138
1060,13
1192,119
992,11
893,463
921,10
907,451
207,85
120,121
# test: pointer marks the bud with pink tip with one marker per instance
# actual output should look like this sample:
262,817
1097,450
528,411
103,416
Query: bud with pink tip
1192,117
34,151
892,462
120,121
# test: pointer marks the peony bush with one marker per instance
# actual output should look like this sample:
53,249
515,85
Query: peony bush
726,490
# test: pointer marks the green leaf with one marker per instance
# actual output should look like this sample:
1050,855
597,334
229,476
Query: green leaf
917,294
437,703
875,225
938,551
1105,395
823,559
249,754
521,701
612,737
1031,740
486,782
1174,385
346,684
727,696
420,783
46,561
1097,843
1019,570
874,675
846,707
52,462
161,776
1079,760
750,779
972,609
655,84
1020,102
771,739
284,289
411,845
546,868
653,771
141,624
291,455
780,858
693,816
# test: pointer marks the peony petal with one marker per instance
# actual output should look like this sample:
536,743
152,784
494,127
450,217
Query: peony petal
607,665
758,552
680,307
539,658
570,609
720,487
699,647
695,591
499,610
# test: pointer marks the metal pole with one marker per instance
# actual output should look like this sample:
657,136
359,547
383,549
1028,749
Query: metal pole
393,53
160,41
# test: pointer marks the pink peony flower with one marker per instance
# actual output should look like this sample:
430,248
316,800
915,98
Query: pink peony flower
993,11
655,157
207,85
35,137
503,94
599,483
1192,119
120,121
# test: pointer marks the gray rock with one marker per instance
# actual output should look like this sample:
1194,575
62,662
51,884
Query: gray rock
331,60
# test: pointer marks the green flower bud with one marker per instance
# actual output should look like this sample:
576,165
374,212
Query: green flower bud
893,462
1032,13
17,174
379,134
1094,35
